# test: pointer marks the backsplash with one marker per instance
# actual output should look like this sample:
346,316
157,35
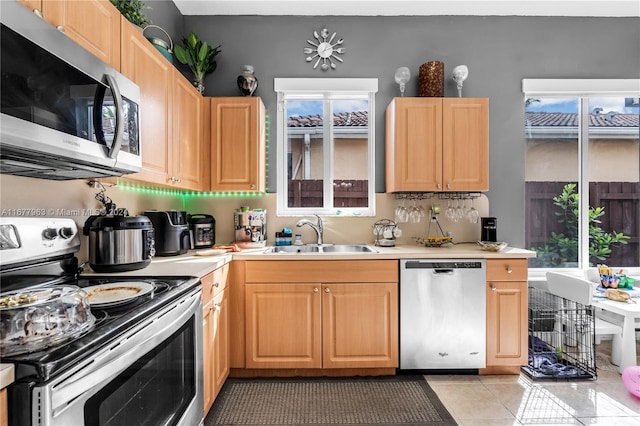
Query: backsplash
76,199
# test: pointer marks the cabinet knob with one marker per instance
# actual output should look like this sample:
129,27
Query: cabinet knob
327,290
216,284
179,179
60,28
438,186
315,290
448,186
509,270
38,13
252,186
492,287
216,307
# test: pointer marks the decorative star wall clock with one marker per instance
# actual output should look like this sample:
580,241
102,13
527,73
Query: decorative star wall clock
325,50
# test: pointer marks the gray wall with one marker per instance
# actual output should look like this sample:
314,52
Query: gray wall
499,52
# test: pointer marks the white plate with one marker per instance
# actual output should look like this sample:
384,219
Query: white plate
113,294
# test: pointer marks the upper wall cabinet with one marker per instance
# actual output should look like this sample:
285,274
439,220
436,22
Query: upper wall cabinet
437,144
145,65
171,114
190,159
238,132
93,24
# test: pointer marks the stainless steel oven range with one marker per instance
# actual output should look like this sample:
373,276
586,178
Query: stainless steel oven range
139,362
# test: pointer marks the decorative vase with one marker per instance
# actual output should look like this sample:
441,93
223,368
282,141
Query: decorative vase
431,79
247,81
199,84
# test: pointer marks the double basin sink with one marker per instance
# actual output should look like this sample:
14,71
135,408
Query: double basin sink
321,249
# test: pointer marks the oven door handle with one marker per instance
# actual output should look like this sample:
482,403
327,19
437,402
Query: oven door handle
121,354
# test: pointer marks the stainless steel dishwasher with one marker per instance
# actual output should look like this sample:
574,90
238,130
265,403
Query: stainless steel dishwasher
442,314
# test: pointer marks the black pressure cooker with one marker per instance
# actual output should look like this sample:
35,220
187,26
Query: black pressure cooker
203,231
119,243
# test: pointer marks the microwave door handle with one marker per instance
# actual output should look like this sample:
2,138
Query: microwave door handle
119,131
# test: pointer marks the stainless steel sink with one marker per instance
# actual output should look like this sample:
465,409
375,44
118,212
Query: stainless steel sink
348,248
320,249
309,248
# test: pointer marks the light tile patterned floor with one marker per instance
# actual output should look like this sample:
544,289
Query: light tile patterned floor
518,400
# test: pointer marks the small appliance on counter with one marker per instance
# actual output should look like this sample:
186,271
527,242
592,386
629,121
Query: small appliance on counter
250,227
119,243
489,229
171,232
203,230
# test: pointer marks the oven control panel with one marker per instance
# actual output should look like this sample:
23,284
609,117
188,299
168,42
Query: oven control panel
23,239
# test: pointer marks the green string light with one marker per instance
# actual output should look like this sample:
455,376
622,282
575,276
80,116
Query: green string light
142,189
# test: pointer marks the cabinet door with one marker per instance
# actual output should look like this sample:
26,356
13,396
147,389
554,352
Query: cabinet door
220,341
283,326
506,323
414,145
189,157
208,355
360,325
93,24
145,65
238,144
465,146
33,5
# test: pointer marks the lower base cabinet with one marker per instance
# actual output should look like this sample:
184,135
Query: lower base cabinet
507,315
321,314
215,336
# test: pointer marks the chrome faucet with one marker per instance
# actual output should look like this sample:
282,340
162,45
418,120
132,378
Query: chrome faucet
316,227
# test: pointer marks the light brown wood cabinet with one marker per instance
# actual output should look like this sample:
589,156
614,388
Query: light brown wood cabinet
507,301
321,314
238,138
190,159
171,117
142,63
93,24
437,144
4,408
215,335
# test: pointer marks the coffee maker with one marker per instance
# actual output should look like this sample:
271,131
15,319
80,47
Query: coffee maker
250,227
489,229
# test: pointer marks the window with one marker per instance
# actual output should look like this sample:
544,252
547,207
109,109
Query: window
582,173
325,151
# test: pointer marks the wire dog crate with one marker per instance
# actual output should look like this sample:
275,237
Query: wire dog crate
561,338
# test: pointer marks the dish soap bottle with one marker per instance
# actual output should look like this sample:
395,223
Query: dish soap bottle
298,240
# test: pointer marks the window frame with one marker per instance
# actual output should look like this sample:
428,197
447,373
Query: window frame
325,89
582,89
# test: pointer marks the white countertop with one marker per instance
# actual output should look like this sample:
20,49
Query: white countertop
184,265
456,251
7,375
190,264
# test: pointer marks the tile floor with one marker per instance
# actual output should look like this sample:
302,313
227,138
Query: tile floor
518,400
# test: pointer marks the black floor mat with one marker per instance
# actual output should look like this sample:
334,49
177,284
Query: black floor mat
392,400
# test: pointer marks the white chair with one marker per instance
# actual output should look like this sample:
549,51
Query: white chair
581,291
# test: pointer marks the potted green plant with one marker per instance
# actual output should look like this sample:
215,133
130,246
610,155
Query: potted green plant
133,11
199,56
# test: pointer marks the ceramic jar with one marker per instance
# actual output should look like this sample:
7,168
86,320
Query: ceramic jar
247,81
431,79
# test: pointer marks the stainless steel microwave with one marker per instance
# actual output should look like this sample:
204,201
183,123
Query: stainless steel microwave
65,114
